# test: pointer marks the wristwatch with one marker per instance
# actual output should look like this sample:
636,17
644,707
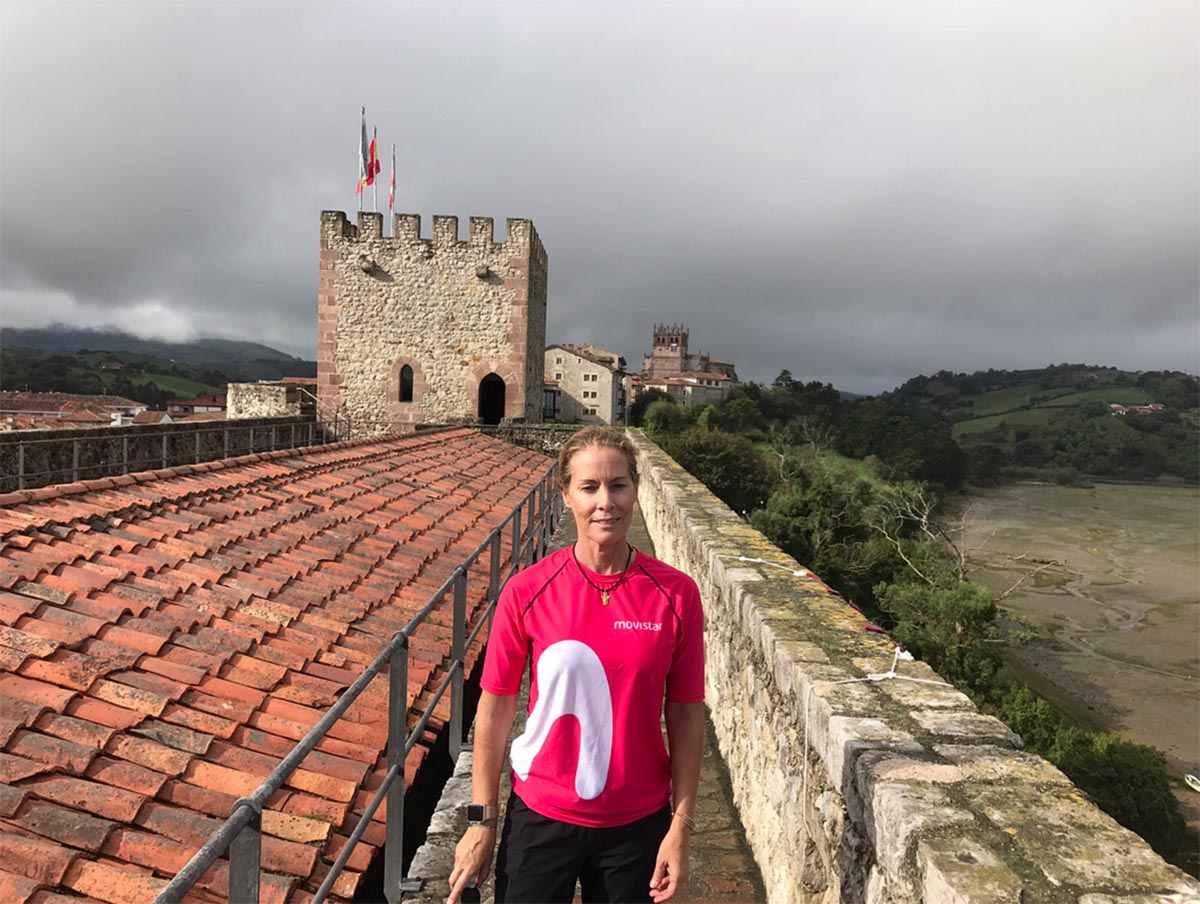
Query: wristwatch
482,815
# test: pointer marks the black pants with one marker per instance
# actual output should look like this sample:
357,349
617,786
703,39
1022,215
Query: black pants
541,858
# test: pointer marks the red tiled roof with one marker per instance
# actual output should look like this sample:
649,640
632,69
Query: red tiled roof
167,637
61,401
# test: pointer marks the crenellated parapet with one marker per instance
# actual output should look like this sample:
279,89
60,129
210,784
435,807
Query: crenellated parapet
419,329
520,236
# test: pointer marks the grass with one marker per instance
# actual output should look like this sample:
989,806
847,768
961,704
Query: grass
1120,395
1032,417
180,386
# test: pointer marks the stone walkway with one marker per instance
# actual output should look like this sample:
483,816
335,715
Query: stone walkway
722,867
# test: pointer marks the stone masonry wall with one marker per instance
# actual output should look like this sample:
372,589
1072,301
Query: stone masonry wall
907,793
454,311
262,400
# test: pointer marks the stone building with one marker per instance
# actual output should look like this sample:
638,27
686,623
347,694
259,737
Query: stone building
416,331
693,379
670,357
593,387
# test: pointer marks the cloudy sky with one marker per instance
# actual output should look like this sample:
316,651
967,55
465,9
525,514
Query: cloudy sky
858,191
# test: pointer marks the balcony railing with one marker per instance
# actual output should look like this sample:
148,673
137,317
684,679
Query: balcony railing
241,833
41,460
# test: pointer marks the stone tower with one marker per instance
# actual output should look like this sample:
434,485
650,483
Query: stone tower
669,354
414,330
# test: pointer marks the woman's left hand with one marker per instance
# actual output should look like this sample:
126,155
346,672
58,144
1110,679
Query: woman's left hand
671,865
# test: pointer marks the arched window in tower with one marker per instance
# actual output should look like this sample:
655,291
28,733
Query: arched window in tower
406,384
491,399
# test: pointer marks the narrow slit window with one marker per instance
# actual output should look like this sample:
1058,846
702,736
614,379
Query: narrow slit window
406,383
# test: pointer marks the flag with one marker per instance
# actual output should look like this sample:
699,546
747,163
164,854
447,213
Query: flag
373,165
392,182
364,161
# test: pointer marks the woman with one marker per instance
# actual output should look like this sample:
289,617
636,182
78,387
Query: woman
612,633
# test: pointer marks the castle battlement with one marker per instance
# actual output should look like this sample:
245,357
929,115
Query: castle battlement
406,230
436,329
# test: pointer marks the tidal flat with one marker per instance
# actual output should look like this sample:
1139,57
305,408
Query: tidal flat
1110,600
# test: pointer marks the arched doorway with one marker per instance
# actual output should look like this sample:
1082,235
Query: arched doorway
491,399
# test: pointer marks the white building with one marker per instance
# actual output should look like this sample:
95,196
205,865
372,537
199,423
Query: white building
592,385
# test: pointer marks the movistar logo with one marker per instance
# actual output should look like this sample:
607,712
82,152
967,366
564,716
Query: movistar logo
637,626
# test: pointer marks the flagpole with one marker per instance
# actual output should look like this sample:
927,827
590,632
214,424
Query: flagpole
361,151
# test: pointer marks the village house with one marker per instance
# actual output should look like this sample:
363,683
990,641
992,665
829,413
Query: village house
206,403
62,410
591,384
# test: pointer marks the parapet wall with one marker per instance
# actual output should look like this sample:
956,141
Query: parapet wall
452,311
856,787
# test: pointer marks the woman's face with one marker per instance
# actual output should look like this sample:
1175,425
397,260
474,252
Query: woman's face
601,494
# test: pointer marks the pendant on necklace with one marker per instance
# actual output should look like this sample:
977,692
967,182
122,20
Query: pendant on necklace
604,597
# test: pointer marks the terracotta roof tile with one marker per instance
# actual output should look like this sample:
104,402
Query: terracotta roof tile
104,713
70,827
35,858
16,888
193,623
144,752
78,730
124,774
112,882
56,752
14,768
89,796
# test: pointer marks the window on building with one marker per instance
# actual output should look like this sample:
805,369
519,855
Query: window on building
406,384
558,360
593,410
558,376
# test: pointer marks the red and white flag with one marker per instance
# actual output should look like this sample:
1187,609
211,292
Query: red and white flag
373,165
392,182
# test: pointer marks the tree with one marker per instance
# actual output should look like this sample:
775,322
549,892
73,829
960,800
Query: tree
664,418
953,628
727,464
645,399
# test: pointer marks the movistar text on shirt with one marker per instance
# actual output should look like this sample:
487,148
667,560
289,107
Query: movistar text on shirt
637,626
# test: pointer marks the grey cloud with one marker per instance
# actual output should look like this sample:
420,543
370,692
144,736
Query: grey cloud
856,192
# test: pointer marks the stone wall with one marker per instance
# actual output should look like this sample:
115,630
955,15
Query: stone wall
247,400
855,785
453,311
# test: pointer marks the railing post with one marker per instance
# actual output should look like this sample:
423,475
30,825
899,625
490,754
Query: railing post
164,450
124,454
226,443
251,439
494,569
245,856
75,459
458,646
20,466
515,559
311,426
293,444
197,447
393,863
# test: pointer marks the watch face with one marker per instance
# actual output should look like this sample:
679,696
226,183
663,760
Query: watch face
475,812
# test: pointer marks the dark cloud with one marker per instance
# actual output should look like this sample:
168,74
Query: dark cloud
856,192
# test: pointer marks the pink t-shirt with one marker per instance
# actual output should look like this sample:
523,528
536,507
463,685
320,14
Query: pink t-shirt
592,752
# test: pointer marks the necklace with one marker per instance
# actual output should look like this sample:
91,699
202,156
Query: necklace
604,592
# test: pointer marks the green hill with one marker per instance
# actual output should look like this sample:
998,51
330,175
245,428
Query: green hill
1056,421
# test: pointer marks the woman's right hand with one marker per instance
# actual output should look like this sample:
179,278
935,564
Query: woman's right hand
472,860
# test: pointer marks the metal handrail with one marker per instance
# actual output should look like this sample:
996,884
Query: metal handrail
118,444
241,833
323,411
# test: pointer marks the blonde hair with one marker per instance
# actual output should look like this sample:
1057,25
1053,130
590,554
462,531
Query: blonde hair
605,437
